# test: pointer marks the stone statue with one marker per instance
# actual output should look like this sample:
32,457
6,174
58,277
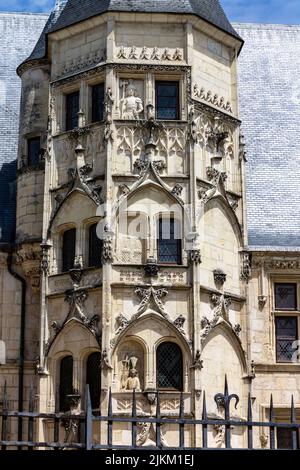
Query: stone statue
131,104
129,378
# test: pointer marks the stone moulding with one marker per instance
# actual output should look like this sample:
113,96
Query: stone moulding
212,98
149,297
76,299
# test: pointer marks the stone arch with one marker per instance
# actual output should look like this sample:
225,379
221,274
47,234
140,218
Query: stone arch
223,355
221,243
61,207
74,339
151,329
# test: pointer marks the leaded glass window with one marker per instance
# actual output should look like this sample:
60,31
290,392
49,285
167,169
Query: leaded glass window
169,241
93,378
72,109
169,366
285,296
68,250
286,335
97,102
65,382
167,100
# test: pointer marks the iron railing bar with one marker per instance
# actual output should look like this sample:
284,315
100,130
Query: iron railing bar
204,425
89,420
110,420
158,422
293,421
42,444
56,420
250,428
134,423
182,424
271,427
4,431
30,420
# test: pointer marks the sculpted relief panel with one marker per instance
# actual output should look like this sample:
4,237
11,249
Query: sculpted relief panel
131,99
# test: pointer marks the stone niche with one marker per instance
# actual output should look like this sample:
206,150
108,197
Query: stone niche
130,359
131,99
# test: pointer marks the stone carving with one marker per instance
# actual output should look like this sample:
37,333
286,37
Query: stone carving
263,441
262,300
219,435
131,105
105,363
76,299
107,252
147,436
177,190
221,305
122,53
179,322
246,266
219,276
81,63
151,268
77,272
148,294
283,264
122,323
72,425
144,53
195,256
237,329
45,258
129,378
198,363
242,151
213,99
124,189
133,53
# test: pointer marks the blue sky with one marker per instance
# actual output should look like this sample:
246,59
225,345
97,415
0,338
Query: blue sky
261,11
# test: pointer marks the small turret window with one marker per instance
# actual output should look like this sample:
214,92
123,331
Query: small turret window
33,150
169,366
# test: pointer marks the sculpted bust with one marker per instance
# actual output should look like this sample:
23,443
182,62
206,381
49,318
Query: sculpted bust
131,104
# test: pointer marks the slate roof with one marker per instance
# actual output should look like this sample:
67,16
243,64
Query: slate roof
18,35
75,11
209,10
269,89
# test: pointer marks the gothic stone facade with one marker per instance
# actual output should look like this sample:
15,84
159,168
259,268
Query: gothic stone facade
134,167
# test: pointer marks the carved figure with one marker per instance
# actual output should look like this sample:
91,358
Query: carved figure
131,104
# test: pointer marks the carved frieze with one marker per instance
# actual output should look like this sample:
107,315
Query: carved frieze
73,66
150,54
212,98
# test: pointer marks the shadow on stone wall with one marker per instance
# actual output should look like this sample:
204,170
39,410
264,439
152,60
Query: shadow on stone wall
8,184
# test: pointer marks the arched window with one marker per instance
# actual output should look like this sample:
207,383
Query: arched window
169,240
169,366
93,378
95,247
68,249
65,382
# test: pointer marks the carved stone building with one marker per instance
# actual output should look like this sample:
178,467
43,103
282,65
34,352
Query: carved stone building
133,265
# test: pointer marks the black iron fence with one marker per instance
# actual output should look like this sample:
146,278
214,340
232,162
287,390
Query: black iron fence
78,427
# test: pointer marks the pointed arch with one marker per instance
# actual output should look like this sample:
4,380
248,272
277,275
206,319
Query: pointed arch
224,328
